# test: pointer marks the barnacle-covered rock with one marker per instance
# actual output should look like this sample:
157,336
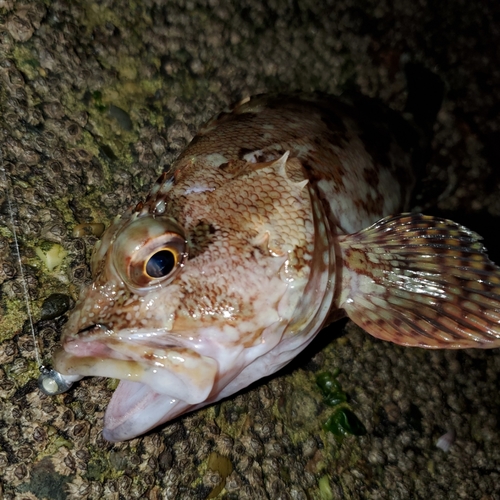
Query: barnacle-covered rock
169,67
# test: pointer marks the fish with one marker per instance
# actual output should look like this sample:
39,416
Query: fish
284,214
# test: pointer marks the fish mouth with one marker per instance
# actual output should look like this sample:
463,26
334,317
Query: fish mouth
160,376
135,409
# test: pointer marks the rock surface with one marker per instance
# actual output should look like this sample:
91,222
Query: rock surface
95,99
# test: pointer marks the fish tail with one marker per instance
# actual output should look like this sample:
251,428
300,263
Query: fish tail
423,281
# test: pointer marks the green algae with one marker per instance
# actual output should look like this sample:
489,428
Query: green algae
325,490
27,62
45,482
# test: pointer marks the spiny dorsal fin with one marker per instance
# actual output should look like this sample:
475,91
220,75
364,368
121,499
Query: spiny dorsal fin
421,281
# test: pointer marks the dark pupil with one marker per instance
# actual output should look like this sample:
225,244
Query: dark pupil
160,264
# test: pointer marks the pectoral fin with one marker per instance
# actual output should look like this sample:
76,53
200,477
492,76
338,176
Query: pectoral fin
421,281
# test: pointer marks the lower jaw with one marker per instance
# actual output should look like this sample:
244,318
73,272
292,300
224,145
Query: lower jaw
135,409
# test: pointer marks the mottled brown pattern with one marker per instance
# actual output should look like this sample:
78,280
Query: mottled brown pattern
432,278
251,209
335,141
167,64
254,212
201,237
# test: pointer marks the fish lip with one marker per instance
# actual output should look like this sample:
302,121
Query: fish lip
100,340
169,366
105,335
88,341
85,334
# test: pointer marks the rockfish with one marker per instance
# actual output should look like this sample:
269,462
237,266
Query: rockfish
281,216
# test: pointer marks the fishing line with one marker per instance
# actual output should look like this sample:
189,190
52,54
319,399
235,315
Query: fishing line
50,382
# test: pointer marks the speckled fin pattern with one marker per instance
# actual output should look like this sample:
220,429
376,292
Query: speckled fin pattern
421,281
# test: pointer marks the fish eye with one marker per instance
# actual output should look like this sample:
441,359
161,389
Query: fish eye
156,260
161,263
149,252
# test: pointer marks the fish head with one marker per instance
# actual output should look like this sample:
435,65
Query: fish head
193,292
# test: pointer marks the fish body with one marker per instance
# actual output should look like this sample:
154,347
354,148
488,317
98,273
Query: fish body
270,225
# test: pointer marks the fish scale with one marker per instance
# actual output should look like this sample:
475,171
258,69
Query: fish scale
281,216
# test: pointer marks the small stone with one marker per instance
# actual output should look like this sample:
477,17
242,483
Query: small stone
55,305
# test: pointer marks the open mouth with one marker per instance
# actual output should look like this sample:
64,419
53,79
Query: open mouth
135,408
158,361
160,377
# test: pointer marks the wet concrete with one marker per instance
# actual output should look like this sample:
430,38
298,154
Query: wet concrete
96,99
